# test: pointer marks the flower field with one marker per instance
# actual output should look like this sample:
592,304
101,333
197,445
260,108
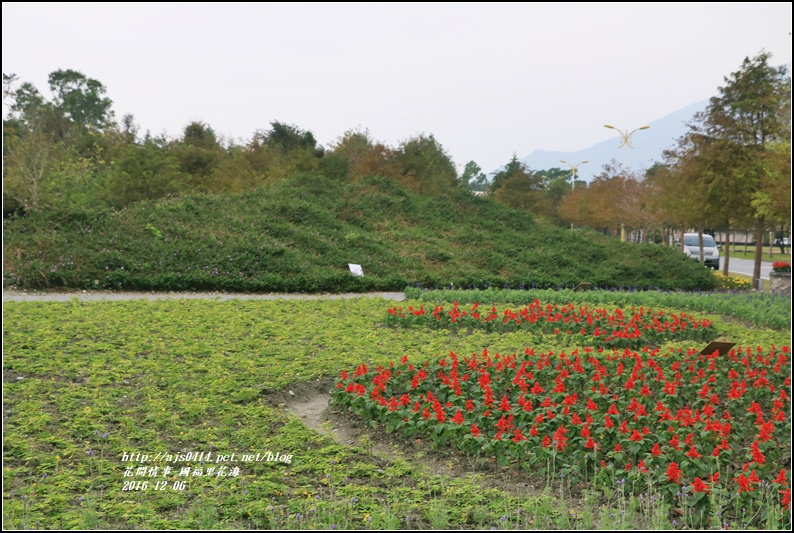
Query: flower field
507,428
684,423
597,326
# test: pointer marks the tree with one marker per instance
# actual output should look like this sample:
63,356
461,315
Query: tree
145,171
557,187
365,157
80,99
199,155
743,126
514,166
519,187
287,138
473,178
426,167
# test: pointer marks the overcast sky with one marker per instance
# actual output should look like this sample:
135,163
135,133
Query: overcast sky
487,80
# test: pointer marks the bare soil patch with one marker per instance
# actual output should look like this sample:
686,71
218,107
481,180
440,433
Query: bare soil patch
310,402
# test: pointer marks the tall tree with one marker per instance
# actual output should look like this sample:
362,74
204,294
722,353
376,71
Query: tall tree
745,123
473,178
426,167
81,99
365,157
519,187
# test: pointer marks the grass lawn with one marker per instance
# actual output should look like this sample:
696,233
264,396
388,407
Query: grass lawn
739,253
109,406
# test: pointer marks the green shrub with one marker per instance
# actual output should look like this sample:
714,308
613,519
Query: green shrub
300,235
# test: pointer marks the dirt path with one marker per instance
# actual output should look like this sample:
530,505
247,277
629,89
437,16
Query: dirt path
309,402
94,296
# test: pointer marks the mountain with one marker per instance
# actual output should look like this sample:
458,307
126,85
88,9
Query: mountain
648,146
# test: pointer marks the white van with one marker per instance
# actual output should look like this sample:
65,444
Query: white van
711,254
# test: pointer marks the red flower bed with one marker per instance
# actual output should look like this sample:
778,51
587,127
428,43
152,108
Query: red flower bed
690,422
596,327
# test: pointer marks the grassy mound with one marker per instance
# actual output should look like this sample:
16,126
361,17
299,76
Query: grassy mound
300,235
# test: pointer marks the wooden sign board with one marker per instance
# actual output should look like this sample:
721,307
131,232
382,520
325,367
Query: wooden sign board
714,346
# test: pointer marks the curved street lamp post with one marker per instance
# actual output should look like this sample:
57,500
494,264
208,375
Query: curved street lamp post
625,140
625,136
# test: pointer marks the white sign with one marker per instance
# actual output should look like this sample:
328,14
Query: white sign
356,270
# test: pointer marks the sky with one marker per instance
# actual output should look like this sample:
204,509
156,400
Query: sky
486,80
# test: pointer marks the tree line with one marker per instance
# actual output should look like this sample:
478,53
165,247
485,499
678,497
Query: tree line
731,170
68,152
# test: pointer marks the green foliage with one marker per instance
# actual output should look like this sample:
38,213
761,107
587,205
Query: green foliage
80,98
473,177
145,171
300,235
426,167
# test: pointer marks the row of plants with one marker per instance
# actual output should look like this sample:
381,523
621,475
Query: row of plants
771,310
691,423
596,326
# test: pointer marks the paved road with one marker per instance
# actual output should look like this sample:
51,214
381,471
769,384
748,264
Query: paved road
745,267
94,296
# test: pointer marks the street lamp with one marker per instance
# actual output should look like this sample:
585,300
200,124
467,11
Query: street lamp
573,175
625,139
573,170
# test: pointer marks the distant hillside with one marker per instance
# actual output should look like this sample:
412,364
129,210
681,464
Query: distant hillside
648,146
300,235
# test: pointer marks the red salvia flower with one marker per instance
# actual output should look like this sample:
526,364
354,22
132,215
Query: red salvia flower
674,473
518,437
699,486
758,456
655,451
744,483
505,404
766,431
785,501
693,453
781,477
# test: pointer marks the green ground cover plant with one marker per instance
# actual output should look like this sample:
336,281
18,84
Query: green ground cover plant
86,383
300,235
